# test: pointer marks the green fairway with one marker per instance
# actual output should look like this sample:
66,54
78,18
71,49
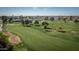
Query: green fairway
34,38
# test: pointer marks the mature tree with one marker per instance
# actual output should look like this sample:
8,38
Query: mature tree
52,18
27,22
76,20
45,27
10,20
30,17
22,20
59,18
46,18
4,23
71,18
30,21
45,23
36,22
64,19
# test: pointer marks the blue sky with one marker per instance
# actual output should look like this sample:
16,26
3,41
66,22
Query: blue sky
39,10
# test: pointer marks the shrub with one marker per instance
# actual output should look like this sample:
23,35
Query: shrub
4,43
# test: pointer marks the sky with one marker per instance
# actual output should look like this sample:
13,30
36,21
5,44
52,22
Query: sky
39,11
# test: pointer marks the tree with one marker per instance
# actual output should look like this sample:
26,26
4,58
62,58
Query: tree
30,21
10,20
59,18
71,18
26,21
76,20
45,26
45,23
64,19
36,22
52,18
46,18
22,20
4,23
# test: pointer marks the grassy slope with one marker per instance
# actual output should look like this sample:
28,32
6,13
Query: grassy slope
35,39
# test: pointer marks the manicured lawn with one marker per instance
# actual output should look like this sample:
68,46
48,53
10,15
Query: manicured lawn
34,38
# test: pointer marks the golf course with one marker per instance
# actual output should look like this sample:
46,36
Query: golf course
35,38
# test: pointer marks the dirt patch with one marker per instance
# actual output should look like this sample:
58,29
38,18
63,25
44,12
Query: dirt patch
13,39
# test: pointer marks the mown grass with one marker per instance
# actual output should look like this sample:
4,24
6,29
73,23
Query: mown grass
34,38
